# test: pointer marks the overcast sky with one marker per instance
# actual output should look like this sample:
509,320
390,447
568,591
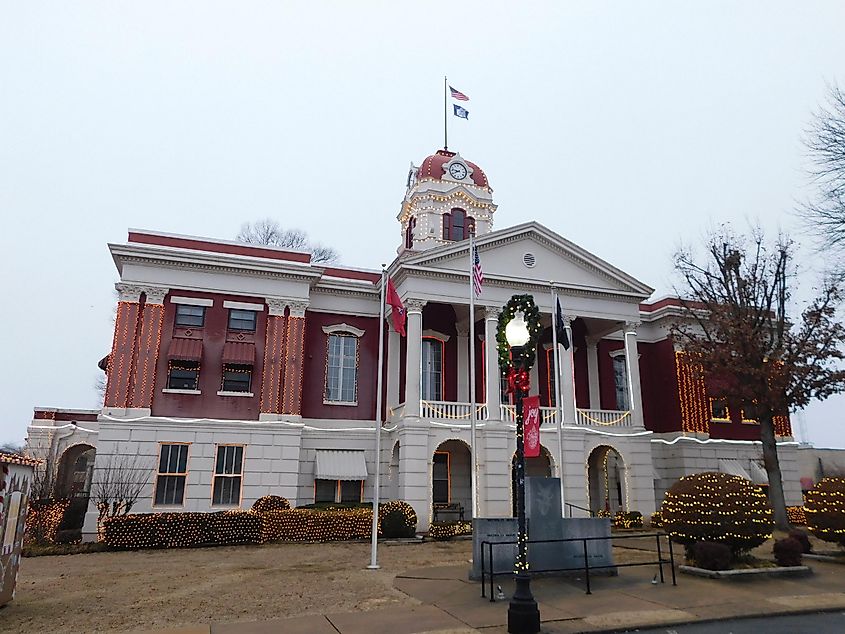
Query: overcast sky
626,127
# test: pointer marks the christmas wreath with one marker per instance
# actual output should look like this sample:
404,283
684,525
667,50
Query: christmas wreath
524,303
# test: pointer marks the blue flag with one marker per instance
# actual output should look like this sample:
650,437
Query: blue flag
463,113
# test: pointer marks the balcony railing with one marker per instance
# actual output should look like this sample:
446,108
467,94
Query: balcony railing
448,410
583,417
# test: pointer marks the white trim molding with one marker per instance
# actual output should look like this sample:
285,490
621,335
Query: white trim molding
258,308
435,334
192,301
343,328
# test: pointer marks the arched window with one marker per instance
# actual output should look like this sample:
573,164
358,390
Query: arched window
457,225
432,369
409,233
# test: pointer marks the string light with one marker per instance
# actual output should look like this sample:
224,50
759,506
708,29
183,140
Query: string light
796,515
43,518
692,394
717,507
447,530
824,506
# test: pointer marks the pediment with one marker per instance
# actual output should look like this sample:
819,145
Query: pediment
532,253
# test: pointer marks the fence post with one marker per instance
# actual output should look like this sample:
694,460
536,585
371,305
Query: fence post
672,559
586,566
483,568
660,558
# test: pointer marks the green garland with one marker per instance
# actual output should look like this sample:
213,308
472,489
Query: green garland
525,303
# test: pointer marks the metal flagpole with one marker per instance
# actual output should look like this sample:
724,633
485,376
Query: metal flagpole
472,416
374,550
559,408
445,117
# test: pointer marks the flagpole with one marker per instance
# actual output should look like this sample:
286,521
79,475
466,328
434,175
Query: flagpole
374,550
472,414
445,117
559,409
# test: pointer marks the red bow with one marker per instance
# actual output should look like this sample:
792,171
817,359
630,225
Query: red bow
518,380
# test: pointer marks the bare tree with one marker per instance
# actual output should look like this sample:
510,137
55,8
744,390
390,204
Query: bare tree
269,232
118,484
12,447
825,141
736,330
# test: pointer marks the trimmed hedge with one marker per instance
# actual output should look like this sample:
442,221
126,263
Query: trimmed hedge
716,507
631,519
825,508
788,552
441,531
270,503
186,530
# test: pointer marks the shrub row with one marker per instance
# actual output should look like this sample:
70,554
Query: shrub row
183,530
446,530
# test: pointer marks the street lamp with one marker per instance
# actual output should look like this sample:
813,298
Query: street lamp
523,613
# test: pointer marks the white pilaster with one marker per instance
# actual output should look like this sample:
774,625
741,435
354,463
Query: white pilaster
392,369
567,375
413,361
632,365
463,364
491,360
593,373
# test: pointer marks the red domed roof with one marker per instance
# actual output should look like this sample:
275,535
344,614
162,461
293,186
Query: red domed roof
432,167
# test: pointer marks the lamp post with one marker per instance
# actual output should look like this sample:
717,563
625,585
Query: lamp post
523,613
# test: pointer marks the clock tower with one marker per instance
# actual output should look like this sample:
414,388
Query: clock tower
447,199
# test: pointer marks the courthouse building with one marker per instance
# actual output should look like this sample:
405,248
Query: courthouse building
239,371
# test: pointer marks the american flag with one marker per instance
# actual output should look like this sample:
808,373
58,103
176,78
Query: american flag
457,94
477,274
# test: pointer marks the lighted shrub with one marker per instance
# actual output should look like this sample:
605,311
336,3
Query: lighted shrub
270,503
796,516
716,507
308,525
712,555
43,519
182,530
824,506
441,531
802,538
397,518
655,521
631,519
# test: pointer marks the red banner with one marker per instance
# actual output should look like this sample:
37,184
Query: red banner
531,426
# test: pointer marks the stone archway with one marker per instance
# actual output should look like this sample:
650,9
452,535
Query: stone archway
606,480
539,467
76,467
451,478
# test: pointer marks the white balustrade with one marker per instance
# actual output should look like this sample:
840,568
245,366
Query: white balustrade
448,410
602,418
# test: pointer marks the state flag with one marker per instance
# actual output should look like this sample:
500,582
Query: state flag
397,315
463,113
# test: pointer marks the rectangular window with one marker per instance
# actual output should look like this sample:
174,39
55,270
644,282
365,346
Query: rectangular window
440,478
620,378
242,319
719,409
172,472
227,475
342,369
432,369
236,378
338,491
190,316
183,375
749,413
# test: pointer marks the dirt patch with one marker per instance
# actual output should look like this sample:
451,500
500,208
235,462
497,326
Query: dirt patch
120,591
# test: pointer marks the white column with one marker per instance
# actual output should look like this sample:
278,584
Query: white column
492,385
632,365
593,373
393,342
413,361
567,375
463,364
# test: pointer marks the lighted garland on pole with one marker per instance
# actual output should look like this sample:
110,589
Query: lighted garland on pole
524,303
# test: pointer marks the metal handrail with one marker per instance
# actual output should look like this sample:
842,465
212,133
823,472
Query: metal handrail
586,567
569,508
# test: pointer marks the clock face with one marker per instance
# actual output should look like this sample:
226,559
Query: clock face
458,171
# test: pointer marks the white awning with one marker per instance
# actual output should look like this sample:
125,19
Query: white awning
340,465
758,473
732,466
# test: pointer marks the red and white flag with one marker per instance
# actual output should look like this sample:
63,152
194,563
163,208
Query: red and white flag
531,426
398,312
457,94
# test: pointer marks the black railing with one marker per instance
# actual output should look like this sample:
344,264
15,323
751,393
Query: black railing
569,508
660,561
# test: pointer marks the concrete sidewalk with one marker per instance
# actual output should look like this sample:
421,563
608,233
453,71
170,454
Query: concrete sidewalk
450,604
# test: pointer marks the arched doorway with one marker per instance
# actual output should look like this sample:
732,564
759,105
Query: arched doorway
76,467
451,480
537,467
606,476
